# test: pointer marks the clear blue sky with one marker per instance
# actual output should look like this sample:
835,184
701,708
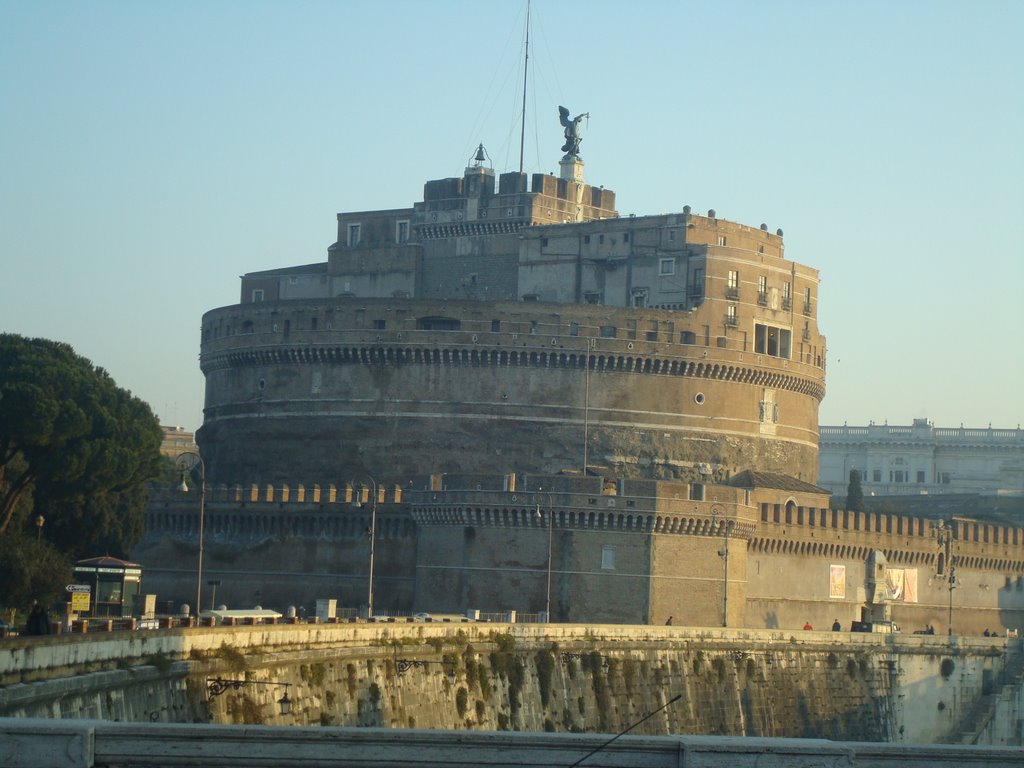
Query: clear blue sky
150,153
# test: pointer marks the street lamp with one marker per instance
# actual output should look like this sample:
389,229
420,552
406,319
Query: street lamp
215,686
547,605
373,538
40,521
726,526
185,463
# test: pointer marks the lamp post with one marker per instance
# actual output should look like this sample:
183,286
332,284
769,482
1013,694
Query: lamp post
215,686
726,526
547,604
373,538
185,463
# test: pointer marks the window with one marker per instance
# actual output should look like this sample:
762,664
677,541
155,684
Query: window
607,558
787,295
379,325
625,237
876,475
730,315
495,326
768,340
402,231
607,331
696,491
721,239
687,337
671,235
586,239
592,297
600,239
666,266
257,294
762,284
697,286
574,329
734,279
639,297
354,231
543,242
920,475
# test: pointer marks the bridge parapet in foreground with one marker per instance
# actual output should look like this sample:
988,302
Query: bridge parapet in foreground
33,743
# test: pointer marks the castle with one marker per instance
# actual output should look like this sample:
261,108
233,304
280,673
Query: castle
492,328
543,406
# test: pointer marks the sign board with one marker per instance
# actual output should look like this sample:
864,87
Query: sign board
78,588
79,602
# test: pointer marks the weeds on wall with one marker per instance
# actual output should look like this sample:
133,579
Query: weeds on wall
350,680
718,664
244,711
595,665
545,661
160,662
946,668
233,658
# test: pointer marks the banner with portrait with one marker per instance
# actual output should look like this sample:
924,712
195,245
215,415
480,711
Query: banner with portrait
837,581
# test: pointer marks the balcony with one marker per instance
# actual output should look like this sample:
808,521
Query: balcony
731,320
807,308
787,302
762,298
732,292
806,335
695,291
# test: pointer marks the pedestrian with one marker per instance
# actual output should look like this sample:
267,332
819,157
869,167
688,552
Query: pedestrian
836,626
808,625
669,622
38,622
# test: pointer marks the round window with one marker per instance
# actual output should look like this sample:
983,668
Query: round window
699,398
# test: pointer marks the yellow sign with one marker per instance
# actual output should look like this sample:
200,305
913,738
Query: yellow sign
79,602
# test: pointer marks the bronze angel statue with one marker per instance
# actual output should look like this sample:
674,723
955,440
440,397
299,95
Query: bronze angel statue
572,132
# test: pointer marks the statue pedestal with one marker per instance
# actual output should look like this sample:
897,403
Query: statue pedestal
571,169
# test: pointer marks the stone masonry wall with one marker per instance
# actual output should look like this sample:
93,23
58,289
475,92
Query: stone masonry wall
566,678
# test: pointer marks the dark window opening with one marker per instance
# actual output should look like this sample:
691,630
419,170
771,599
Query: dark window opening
438,324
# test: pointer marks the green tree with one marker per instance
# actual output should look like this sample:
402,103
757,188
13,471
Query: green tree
30,569
854,494
79,445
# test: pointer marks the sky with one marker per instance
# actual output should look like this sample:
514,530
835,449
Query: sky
151,153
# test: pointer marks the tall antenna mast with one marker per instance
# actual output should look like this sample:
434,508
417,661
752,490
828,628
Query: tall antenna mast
526,64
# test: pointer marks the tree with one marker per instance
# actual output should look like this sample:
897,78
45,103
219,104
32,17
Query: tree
854,494
30,569
82,446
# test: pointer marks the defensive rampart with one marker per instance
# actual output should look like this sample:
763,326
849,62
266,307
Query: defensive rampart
490,549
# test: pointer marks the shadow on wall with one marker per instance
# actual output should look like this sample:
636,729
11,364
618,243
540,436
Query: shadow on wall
1011,602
